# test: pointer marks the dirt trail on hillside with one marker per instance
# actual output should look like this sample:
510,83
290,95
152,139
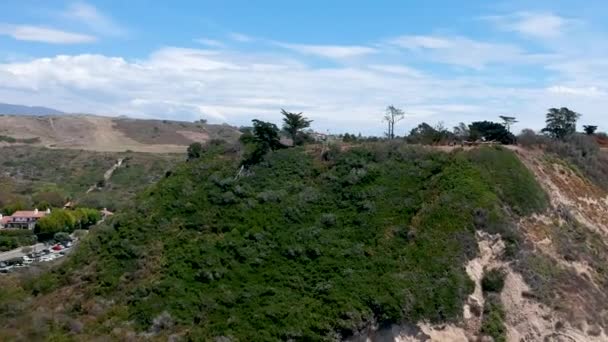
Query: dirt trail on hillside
107,175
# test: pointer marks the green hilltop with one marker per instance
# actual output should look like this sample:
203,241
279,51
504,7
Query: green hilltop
303,245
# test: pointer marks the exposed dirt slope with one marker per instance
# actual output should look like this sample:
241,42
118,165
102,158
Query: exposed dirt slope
565,298
97,133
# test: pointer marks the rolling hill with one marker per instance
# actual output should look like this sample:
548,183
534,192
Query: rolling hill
379,242
108,134
13,109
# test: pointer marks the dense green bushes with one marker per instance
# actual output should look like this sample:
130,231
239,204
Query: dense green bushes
492,323
493,280
13,238
60,220
299,248
493,318
39,177
510,179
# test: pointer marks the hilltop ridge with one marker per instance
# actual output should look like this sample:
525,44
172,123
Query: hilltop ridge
109,134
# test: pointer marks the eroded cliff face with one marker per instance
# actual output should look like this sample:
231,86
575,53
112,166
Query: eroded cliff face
556,285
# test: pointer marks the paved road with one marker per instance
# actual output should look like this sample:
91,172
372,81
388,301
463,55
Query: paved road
16,253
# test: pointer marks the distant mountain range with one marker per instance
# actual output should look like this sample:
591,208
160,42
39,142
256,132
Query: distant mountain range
13,109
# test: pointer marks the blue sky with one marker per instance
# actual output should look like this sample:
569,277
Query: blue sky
340,62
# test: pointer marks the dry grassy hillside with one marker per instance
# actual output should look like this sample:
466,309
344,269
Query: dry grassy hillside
97,133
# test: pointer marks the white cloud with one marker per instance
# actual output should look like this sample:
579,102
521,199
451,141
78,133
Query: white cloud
330,51
239,37
92,17
578,91
423,42
173,58
209,42
535,25
236,87
463,51
399,70
44,34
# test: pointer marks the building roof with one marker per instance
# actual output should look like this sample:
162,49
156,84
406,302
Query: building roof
106,212
29,213
5,220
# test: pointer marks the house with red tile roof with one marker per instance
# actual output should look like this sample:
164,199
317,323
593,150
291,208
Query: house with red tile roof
24,219
4,220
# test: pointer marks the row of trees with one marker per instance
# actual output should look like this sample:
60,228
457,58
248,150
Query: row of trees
66,221
263,137
480,130
560,124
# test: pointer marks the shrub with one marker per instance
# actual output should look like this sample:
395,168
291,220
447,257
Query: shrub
195,150
493,319
62,237
14,238
584,152
328,220
490,131
528,138
493,280
511,180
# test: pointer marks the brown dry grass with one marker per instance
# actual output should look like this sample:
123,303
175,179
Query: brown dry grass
97,133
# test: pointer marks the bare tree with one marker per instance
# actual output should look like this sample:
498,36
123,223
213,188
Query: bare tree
392,116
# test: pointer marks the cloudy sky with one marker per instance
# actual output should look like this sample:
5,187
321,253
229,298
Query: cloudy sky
340,62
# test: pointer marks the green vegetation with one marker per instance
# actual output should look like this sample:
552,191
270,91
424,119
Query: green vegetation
481,130
493,280
298,247
510,179
195,150
580,150
11,239
11,140
561,123
508,121
491,131
65,221
293,124
589,129
40,177
427,135
493,319
263,138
